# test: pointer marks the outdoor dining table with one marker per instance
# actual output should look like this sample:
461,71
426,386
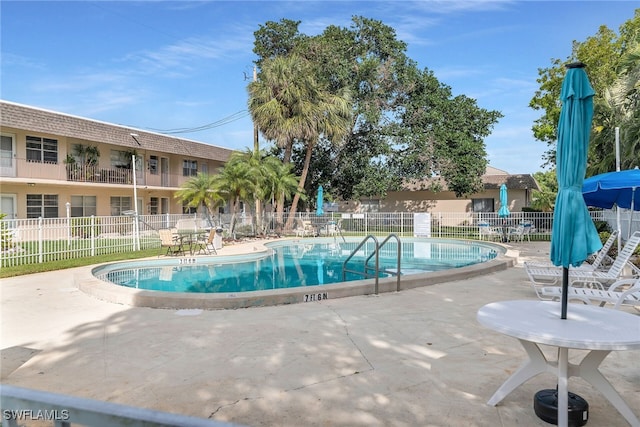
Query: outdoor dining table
597,329
188,238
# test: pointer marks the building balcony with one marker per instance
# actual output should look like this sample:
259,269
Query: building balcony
20,169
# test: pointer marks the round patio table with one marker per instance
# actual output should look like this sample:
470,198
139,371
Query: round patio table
597,329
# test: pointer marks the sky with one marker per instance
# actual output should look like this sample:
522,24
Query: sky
182,67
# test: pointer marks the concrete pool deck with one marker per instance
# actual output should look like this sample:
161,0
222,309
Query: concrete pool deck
413,358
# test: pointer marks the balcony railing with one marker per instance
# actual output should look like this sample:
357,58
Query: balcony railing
92,173
99,174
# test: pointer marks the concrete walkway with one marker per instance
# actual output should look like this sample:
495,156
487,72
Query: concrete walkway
414,358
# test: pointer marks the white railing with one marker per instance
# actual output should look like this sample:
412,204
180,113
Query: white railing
21,405
40,240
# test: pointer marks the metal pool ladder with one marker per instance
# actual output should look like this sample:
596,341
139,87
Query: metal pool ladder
366,272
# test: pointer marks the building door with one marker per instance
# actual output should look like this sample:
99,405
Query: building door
140,175
7,156
164,171
8,205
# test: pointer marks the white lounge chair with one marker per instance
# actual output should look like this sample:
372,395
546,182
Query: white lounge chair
544,275
596,264
622,292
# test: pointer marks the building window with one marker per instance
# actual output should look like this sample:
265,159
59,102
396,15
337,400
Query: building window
120,205
83,206
188,209
42,150
164,205
42,205
370,205
120,159
483,205
153,206
153,165
189,168
6,151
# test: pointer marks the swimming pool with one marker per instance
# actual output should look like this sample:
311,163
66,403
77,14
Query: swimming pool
295,264
285,272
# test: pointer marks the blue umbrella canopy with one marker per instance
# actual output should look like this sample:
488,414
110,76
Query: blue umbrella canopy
320,201
613,188
503,212
574,236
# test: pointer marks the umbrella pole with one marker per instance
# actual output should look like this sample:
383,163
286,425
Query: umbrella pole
633,197
565,291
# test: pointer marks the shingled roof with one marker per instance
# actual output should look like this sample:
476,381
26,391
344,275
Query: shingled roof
54,123
492,179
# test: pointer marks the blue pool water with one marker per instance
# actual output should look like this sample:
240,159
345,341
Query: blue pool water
291,264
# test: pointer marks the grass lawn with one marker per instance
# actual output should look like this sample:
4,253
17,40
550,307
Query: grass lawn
74,262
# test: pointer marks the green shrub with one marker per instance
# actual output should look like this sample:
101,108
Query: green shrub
6,236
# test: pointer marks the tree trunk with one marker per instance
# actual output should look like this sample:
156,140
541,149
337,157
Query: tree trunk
286,159
303,178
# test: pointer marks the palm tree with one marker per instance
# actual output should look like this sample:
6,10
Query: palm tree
200,191
237,181
280,183
288,104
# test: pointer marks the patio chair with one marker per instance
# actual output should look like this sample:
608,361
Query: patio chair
171,241
204,243
521,232
329,229
304,228
488,232
545,275
622,292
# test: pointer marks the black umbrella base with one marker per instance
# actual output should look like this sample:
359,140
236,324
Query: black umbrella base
545,404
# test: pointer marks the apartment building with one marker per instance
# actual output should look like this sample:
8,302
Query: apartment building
52,162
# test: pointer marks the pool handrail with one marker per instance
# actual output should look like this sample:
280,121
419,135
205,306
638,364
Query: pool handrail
399,251
364,273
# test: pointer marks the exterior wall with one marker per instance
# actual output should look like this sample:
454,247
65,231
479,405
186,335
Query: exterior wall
103,196
445,201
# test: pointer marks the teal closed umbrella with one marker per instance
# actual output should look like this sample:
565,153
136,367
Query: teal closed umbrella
574,236
503,212
320,202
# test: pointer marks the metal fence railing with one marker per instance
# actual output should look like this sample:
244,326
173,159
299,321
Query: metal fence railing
22,406
40,240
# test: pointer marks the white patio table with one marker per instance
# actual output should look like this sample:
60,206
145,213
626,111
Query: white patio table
600,330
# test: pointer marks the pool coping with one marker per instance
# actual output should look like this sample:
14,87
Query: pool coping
85,281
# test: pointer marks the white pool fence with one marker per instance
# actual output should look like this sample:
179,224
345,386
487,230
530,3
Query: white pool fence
39,240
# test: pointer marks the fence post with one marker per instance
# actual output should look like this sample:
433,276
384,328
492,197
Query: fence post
93,235
366,223
40,243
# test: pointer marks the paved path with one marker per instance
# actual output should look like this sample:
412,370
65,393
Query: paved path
414,358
